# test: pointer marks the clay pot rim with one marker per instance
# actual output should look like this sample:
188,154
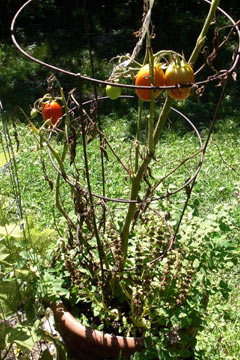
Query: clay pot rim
66,320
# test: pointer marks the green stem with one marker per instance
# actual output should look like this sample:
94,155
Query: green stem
162,119
202,37
169,53
139,171
153,139
151,126
137,178
135,187
152,104
67,116
139,126
54,153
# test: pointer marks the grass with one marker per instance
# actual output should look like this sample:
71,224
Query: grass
220,180
217,187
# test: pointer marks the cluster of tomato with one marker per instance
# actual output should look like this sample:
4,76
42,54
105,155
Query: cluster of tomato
177,73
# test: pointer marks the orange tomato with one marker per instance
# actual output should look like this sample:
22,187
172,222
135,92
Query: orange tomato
52,110
143,78
179,74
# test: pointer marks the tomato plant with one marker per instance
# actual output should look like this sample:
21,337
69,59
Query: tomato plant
179,73
143,78
52,110
113,92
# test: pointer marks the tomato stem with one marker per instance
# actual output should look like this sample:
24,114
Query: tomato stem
152,103
162,119
138,134
67,121
202,37
154,135
151,126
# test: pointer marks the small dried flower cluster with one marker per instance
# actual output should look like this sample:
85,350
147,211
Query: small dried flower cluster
173,336
115,245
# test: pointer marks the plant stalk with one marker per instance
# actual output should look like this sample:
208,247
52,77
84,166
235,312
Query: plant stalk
137,178
202,37
139,126
151,146
162,119
135,187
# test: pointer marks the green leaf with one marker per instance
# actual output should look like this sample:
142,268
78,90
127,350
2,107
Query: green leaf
22,335
3,257
14,230
229,265
22,272
46,355
196,263
224,227
196,202
8,303
4,158
223,285
96,311
223,243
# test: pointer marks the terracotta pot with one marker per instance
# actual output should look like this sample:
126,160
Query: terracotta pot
84,343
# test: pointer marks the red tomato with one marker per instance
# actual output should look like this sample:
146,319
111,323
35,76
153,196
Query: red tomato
179,74
52,110
144,79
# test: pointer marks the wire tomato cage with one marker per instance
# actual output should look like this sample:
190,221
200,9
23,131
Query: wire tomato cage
128,86
221,76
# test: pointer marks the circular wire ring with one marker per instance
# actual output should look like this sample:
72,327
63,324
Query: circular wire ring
133,87
119,200
213,78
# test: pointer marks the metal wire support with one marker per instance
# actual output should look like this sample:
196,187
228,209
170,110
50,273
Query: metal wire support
154,198
216,77
219,76
222,76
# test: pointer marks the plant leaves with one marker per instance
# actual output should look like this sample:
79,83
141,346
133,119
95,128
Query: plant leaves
14,230
196,263
46,355
3,160
24,335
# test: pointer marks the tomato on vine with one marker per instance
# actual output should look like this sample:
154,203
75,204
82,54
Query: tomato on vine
143,78
33,113
52,110
179,73
113,92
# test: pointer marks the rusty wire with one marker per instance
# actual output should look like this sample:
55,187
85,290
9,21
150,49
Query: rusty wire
215,77
127,201
222,76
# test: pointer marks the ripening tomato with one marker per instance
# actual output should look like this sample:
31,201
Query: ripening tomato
52,110
179,74
113,92
143,78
